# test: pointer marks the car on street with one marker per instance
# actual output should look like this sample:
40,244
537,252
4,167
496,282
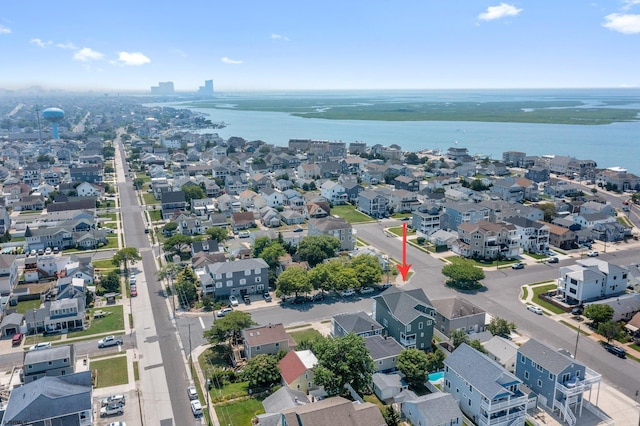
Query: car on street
347,293
593,253
224,311
111,410
317,297
16,339
298,300
117,424
577,311
244,234
246,299
133,291
553,260
41,345
267,297
616,350
109,341
192,393
196,408
518,265
233,301
534,309
385,286
367,290
298,229
117,398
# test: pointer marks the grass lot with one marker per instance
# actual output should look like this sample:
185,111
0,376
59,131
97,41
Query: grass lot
306,334
478,263
110,371
155,215
111,216
586,333
111,225
27,305
136,372
150,199
536,256
112,242
103,264
350,214
143,176
537,291
374,400
114,321
239,413
397,230
401,215
32,340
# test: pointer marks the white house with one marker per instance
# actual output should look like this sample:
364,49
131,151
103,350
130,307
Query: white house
334,192
591,279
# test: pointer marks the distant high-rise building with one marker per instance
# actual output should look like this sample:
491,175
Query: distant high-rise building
207,89
165,88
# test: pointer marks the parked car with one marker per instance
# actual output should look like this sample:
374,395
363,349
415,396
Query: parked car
518,265
196,408
244,234
299,300
17,339
133,291
317,297
117,424
385,286
577,311
553,260
224,311
111,410
298,229
347,293
109,341
233,301
117,398
192,393
616,350
534,309
246,299
267,297
41,345
593,253
367,290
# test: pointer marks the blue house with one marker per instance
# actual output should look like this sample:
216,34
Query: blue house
559,380
486,392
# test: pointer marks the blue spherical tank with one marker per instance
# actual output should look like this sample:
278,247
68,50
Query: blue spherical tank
53,114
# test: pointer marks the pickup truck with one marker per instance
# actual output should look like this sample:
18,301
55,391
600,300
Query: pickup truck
109,341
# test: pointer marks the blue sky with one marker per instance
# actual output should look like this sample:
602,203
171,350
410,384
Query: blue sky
298,45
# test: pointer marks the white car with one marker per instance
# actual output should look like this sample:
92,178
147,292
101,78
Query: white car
117,424
41,345
196,408
224,311
114,399
534,309
233,300
593,253
111,410
347,293
367,290
192,393
109,341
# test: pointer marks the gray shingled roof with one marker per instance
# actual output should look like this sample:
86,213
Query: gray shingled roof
482,373
46,355
402,303
358,322
283,399
237,265
549,359
437,408
380,348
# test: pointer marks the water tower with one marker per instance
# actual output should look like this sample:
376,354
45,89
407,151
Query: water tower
53,116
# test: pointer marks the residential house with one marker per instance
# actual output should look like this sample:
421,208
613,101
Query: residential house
435,409
317,208
234,185
60,400
559,188
308,171
89,174
270,217
334,192
172,202
591,279
538,174
207,246
508,190
86,189
561,237
503,351
283,185
619,180
610,232
267,339
292,217
5,220
403,201
56,361
296,369
407,316
384,352
8,273
486,393
457,313
596,207
272,197
240,277
373,203
332,409
486,240
353,190
358,323
335,227
426,220
244,220
387,386
532,236
624,306
407,183
202,207
558,379
260,181
189,224
280,400
590,220
458,213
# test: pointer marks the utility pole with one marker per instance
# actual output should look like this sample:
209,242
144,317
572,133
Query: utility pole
575,352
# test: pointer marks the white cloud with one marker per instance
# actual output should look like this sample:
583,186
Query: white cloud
500,11
87,54
66,46
40,43
4,30
624,23
279,37
628,4
230,61
132,58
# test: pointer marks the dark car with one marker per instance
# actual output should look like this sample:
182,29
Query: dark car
247,300
298,300
577,311
267,297
317,297
616,350
553,260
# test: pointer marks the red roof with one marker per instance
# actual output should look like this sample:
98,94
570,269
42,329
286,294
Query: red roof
291,367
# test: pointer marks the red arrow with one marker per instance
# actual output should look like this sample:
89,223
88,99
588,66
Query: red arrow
404,268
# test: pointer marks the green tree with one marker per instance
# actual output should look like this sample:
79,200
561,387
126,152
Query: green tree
176,244
137,183
108,152
261,371
367,269
436,360
391,416
111,282
598,313
609,329
343,360
218,233
317,248
193,192
271,253
549,210
414,365
126,256
463,275
227,329
458,337
344,277
500,327
321,277
293,280
412,158
260,244
475,344
170,227
186,287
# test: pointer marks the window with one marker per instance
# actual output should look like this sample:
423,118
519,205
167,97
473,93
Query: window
219,284
229,274
258,279
577,373
550,376
230,283
526,375
257,348
522,360
260,287
218,276
257,271
247,272
539,367
420,325
243,281
539,383
408,328
277,344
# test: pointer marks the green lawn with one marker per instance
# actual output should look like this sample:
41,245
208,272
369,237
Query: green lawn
155,215
150,199
111,216
239,413
525,293
306,334
27,305
537,291
143,176
397,230
479,263
110,372
114,321
350,214
32,340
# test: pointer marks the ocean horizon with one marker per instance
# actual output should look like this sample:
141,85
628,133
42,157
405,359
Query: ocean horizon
609,145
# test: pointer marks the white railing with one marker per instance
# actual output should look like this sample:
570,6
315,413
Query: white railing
497,406
568,415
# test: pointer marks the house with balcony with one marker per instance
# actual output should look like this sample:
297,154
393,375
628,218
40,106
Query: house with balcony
334,192
559,380
562,237
486,240
335,227
8,273
240,277
458,213
407,316
358,323
426,220
91,174
403,201
487,393
373,203
532,236
591,279
172,202
457,313
407,183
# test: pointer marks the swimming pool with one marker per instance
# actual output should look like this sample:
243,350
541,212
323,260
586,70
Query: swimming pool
434,377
